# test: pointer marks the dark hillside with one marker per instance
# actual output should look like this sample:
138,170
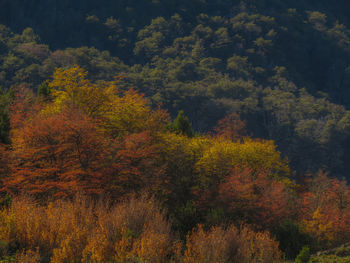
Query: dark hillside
282,65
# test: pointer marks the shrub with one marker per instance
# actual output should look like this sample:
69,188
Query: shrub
230,244
304,255
82,230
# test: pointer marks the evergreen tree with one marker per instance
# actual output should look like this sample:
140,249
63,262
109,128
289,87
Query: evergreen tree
182,125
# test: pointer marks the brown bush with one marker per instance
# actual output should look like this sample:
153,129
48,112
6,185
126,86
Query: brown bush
29,256
135,230
85,231
132,229
222,245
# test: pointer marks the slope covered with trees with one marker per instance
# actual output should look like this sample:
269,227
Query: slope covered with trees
283,66
98,139
229,119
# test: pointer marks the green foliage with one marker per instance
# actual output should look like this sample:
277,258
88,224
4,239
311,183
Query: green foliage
4,117
291,238
185,218
181,125
6,201
304,255
44,91
3,249
282,65
339,254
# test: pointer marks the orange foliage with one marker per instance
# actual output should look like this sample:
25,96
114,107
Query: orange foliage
85,231
231,245
57,155
28,256
90,137
325,209
231,127
257,198
22,108
4,160
135,165
118,112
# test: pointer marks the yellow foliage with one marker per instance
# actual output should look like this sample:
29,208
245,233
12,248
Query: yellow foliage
127,114
117,112
7,225
223,155
71,87
222,245
153,247
319,227
258,247
29,256
85,231
176,145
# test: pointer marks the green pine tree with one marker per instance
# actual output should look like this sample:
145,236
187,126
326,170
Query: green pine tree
182,125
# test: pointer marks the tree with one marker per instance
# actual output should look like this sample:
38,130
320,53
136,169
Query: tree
135,166
255,198
4,164
231,127
22,108
221,156
291,237
118,112
325,209
44,91
57,155
4,118
181,125
88,137
304,255
71,87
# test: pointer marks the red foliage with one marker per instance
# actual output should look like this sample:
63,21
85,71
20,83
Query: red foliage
57,155
330,199
256,198
4,163
231,127
22,108
134,165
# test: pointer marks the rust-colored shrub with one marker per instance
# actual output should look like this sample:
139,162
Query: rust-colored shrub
132,229
29,256
82,230
216,245
230,244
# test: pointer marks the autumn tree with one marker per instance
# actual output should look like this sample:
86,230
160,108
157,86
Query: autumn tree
134,166
256,198
231,127
216,163
22,108
325,209
71,87
180,153
117,111
221,156
87,137
57,155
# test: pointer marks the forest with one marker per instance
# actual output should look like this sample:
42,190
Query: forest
174,131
